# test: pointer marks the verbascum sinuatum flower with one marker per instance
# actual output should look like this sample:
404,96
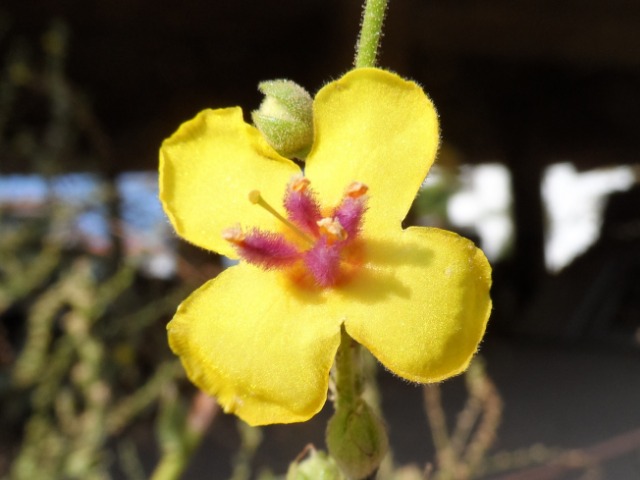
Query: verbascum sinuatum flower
318,250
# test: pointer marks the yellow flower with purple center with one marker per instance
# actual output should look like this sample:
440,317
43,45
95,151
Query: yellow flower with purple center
319,250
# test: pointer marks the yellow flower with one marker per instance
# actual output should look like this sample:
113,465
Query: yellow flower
262,336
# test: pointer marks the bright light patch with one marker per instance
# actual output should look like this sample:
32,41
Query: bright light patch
483,203
574,202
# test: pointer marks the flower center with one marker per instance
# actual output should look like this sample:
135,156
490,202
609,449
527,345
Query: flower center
313,246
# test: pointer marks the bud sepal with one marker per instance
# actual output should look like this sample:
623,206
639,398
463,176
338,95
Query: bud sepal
285,118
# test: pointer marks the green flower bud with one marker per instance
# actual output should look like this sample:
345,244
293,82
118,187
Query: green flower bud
357,440
316,466
285,118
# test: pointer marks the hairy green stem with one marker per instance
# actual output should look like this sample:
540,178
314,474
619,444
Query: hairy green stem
356,437
347,371
370,33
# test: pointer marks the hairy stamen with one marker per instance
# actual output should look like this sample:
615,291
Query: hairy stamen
265,249
301,205
330,238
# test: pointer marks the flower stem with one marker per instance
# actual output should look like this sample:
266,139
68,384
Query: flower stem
346,372
370,33
356,436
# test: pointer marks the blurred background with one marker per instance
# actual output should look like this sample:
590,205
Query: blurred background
539,104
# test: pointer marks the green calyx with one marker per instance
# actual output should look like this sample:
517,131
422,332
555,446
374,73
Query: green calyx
357,440
285,118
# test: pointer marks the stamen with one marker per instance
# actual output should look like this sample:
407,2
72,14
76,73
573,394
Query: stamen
301,205
331,228
356,190
332,249
351,210
299,183
256,199
264,249
234,235
323,262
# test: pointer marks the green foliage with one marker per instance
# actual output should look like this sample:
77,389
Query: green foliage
83,349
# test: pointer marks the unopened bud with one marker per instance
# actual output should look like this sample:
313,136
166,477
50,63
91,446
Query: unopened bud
357,440
285,118
317,465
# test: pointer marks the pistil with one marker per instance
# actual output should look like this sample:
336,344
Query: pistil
256,198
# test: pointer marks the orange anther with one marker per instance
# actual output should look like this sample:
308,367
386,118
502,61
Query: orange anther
299,183
332,229
234,235
356,190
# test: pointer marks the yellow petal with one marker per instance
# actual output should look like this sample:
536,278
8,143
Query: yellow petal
372,126
427,303
207,169
263,349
